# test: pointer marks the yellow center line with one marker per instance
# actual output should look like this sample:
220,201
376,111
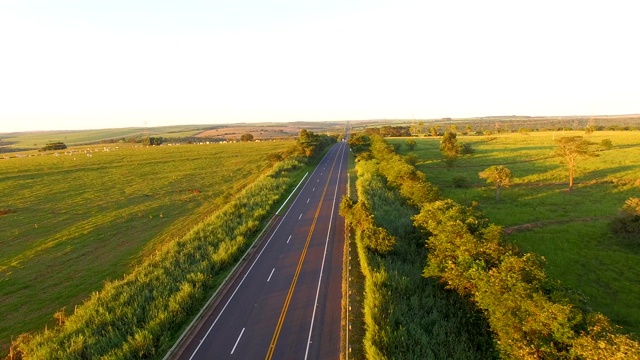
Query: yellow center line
283,314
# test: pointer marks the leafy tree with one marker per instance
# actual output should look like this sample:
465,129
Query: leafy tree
570,148
59,145
411,144
310,144
449,146
499,175
359,143
246,137
152,141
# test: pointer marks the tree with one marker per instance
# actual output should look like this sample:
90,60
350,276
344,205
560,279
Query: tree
411,144
152,141
58,145
570,148
246,137
449,147
498,175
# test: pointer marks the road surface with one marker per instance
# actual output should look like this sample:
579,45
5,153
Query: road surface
286,302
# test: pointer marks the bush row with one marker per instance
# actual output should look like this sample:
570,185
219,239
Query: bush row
406,316
140,315
532,316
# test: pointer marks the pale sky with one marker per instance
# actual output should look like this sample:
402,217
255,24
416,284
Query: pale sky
78,64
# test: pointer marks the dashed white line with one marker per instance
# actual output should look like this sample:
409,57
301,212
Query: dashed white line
237,341
270,275
300,217
324,256
288,239
308,200
314,189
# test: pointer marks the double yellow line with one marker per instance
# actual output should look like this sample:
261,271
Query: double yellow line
283,314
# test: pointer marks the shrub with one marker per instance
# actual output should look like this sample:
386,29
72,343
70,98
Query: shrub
461,182
467,149
411,144
627,222
606,144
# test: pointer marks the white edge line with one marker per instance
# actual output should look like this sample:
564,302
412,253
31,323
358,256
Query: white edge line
251,267
294,190
324,256
237,341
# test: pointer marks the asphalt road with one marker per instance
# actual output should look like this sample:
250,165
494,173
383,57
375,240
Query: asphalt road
286,302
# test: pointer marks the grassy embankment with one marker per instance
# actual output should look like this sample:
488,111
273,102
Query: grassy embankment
570,229
72,224
353,281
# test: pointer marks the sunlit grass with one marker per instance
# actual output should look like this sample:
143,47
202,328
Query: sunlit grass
570,227
587,257
75,223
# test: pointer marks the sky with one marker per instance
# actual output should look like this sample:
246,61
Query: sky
81,64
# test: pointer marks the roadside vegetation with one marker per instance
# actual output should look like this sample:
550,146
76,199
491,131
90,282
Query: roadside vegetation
530,314
140,315
405,315
71,222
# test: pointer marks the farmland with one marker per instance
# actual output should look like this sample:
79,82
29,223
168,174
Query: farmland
37,139
71,222
570,229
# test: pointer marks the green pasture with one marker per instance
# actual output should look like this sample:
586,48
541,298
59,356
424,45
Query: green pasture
37,139
71,222
570,228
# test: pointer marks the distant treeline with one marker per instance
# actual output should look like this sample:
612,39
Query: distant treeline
157,140
522,125
497,125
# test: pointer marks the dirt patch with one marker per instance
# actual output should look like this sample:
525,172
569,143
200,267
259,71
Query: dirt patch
6,211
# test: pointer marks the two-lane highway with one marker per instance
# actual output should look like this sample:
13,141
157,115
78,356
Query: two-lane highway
286,303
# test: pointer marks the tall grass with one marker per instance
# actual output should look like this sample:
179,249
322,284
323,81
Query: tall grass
139,316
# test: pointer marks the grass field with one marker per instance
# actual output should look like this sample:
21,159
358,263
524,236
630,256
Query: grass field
37,139
71,222
568,228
